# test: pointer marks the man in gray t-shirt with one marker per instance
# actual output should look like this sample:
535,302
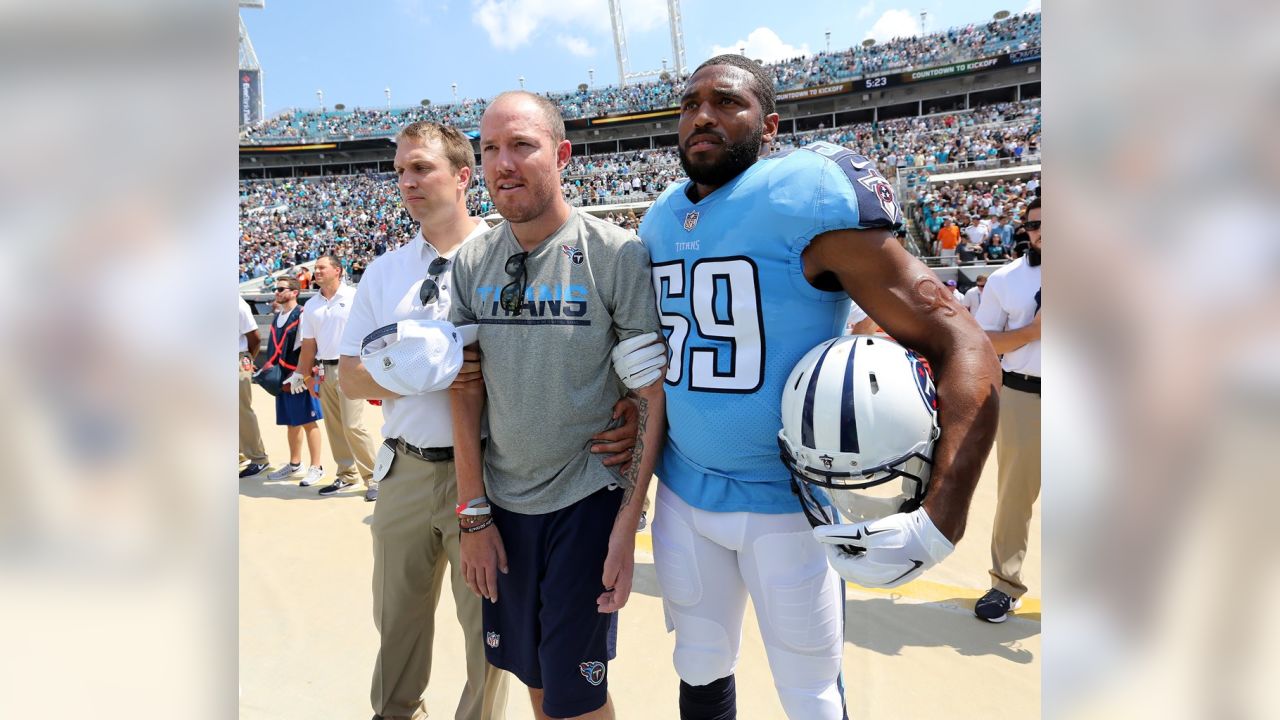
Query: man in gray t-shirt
548,376
553,290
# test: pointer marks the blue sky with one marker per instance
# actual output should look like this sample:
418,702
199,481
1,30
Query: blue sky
353,50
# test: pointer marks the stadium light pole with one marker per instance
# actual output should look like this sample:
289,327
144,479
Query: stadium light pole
591,77
387,91
828,42
320,99
454,87
521,79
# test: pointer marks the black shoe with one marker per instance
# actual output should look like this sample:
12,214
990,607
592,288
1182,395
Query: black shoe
995,606
371,494
252,469
337,485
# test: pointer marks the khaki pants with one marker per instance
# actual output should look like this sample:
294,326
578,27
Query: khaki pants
250,436
349,440
1018,453
415,536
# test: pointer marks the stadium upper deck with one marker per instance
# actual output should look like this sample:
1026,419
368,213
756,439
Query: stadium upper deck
970,42
290,221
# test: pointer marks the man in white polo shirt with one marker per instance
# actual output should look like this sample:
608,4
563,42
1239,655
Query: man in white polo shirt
1010,313
323,319
415,530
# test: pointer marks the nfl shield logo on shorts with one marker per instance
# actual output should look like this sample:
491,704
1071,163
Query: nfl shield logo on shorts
592,671
691,220
491,639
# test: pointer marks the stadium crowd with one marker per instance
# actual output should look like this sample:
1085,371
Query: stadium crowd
974,222
293,221
951,45
286,222
919,145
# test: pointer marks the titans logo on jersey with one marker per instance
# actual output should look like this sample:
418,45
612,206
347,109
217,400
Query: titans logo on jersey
738,313
860,170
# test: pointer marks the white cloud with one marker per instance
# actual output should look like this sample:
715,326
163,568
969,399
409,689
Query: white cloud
865,11
763,44
1033,6
576,45
415,10
895,24
511,24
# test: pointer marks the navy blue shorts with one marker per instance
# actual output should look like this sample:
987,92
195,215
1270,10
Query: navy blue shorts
545,628
298,409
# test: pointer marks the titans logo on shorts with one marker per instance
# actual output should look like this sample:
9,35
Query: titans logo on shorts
592,671
738,313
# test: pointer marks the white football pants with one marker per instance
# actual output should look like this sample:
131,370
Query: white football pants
707,563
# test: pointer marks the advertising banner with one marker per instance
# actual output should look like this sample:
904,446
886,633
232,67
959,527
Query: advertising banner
250,96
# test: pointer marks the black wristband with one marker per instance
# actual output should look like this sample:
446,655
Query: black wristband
475,528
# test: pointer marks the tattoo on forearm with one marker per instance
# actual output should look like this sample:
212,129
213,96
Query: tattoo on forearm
932,296
633,471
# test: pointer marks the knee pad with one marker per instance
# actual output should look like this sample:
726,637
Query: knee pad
802,621
716,700
703,652
808,686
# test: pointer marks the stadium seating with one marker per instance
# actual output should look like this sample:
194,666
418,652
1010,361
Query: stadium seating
951,45
286,222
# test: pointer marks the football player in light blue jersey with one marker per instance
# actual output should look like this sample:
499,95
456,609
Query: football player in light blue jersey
755,260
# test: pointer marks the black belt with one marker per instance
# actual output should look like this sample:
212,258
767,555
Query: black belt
327,362
444,454
1019,381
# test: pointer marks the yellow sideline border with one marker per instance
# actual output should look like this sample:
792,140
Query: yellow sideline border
919,590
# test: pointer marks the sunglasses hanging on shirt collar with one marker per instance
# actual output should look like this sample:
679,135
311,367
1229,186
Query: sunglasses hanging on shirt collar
430,291
512,297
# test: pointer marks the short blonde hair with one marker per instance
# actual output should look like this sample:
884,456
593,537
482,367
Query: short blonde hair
550,112
457,148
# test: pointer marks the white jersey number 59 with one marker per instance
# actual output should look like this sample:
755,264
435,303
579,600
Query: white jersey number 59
735,319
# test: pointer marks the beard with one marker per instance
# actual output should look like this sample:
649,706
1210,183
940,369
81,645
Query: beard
737,158
1033,255
538,199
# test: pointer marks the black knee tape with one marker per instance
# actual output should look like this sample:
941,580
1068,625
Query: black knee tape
717,700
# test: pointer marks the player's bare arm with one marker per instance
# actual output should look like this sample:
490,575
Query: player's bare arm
916,309
619,443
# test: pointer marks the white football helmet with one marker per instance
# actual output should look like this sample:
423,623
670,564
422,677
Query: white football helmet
859,422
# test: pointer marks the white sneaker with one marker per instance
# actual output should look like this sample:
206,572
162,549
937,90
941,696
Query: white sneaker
285,472
314,473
